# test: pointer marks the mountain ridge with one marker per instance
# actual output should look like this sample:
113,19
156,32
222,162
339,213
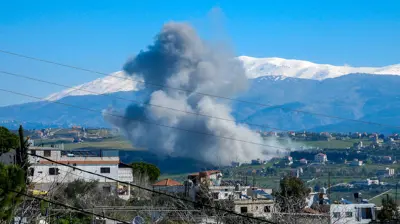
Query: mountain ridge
255,68
374,98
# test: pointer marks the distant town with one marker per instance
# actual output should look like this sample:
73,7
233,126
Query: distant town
336,169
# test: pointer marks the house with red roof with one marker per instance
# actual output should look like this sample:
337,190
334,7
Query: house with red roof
169,185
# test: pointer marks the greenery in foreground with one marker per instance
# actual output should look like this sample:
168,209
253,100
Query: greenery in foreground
11,178
141,169
8,140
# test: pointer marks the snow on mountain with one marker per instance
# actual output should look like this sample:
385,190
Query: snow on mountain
278,68
115,82
258,67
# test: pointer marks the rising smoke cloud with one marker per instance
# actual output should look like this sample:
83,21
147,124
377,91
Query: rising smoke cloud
179,58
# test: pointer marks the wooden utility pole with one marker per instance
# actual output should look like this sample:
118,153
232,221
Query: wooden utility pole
22,153
329,184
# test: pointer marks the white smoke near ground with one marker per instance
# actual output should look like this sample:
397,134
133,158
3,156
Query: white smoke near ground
179,58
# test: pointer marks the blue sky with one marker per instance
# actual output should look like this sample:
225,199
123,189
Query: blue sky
101,35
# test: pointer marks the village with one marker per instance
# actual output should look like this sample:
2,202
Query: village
52,166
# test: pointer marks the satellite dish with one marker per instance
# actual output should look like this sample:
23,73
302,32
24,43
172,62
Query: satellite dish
138,220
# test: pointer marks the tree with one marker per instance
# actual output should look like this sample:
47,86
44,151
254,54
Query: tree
8,140
146,169
389,210
292,195
22,150
11,178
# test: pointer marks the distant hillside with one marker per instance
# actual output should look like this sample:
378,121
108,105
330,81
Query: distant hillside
374,98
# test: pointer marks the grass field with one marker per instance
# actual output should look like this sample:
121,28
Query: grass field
333,144
108,143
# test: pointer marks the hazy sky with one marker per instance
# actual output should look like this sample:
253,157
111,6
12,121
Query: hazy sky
101,36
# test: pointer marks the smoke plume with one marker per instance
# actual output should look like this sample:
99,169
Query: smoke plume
179,58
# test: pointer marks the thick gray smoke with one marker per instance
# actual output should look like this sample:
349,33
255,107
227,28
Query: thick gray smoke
179,58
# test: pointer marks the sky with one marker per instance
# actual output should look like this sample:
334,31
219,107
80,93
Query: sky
102,35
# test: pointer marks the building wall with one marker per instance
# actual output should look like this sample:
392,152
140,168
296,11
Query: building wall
125,174
170,189
67,174
353,208
255,207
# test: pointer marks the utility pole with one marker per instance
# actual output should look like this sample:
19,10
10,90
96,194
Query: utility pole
22,154
329,184
396,193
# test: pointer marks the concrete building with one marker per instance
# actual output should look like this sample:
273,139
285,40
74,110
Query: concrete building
255,207
320,158
388,172
352,213
169,185
45,174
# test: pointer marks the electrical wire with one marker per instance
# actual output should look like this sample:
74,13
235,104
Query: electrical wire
134,101
66,206
194,92
153,191
147,122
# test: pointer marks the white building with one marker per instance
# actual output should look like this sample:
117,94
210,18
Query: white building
45,174
388,172
320,158
255,207
352,213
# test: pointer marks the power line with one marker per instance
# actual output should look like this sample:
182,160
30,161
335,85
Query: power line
144,121
66,206
153,191
133,101
195,92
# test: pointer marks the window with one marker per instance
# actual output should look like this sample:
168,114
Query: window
33,152
226,194
31,172
243,209
267,209
366,213
104,169
349,214
46,153
74,167
53,171
336,215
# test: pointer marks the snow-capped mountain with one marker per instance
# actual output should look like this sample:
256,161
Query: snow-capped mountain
278,68
115,82
258,67
373,98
